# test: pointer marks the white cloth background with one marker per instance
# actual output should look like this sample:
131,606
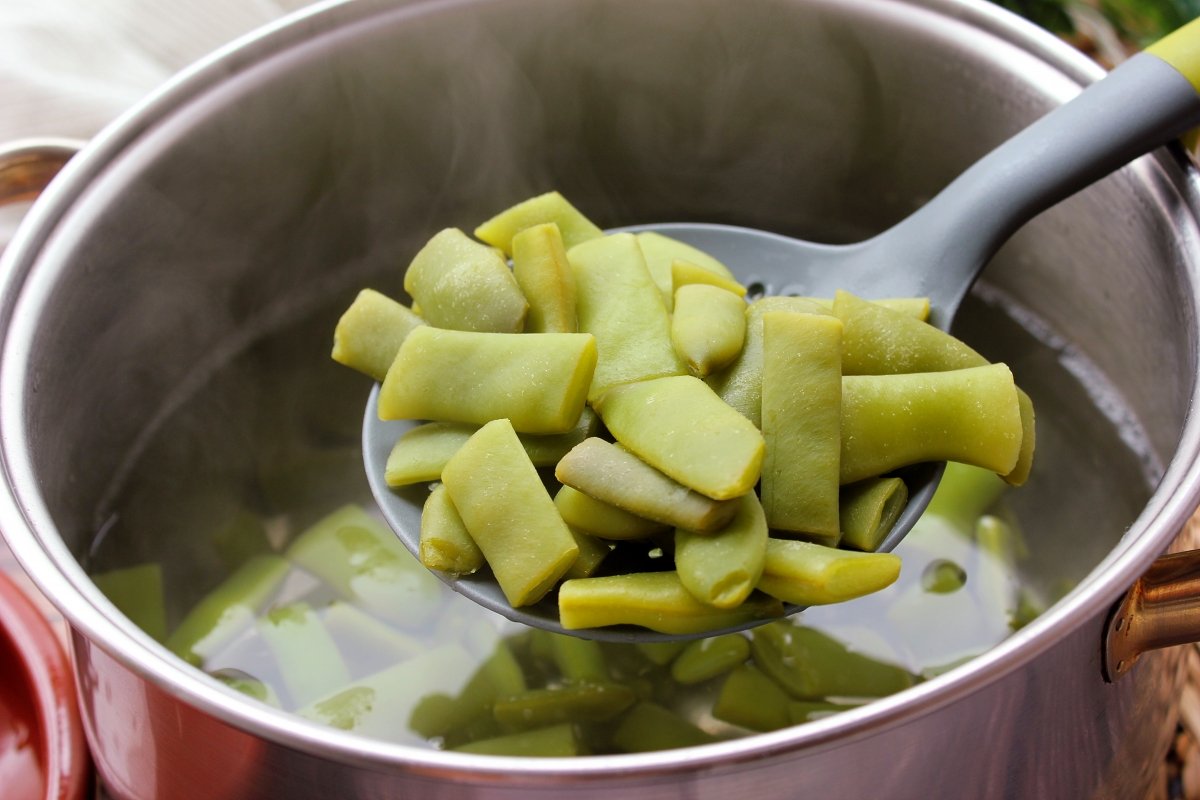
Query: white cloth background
68,67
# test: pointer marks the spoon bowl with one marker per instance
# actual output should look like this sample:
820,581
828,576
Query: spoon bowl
937,252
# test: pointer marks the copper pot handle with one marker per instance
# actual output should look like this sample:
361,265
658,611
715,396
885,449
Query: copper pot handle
1162,609
28,165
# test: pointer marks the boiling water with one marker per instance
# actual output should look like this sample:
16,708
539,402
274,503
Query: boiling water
269,446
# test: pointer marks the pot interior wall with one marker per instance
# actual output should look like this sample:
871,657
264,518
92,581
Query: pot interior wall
212,256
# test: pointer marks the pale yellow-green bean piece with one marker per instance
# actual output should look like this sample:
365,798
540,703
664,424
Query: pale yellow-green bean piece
654,600
445,544
801,422
708,327
592,552
462,284
608,473
681,427
807,574
721,568
603,519
549,207
538,381
662,251
685,273
619,304
370,332
542,271
868,509
509,513
968,415
740,384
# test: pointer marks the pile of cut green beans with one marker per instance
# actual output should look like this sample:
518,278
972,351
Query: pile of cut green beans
343,626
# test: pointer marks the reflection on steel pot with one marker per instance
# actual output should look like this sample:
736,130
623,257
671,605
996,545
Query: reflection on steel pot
204,245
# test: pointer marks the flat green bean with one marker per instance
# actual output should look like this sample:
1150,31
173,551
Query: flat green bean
464,285
809,574
549,207
868,509
720,569
363,561
801,422
370,332
307,656
227,610
811,665
704,659
600,518
374,644
749,698
654,600
576,703
964,495
580,660
542,271
445,544
439,714
648,727
558,741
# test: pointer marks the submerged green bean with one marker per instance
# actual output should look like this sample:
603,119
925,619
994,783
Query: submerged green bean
307,656
579,702
648,726
558,741
137,592
704,659
749,698
811,665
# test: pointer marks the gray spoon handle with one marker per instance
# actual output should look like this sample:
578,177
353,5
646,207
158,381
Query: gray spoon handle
1140,105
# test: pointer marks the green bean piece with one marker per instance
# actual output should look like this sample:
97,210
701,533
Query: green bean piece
880,341
752,700
740,384
708,327
379,704
609,473
890,421
557,741
578,659
915,307
592,552
227,610
661,253
1029,607
577,703
137,592
680,426
374,645
810,574
661,653
370,332
602,519
307,656
964,495
685,273
542,271
549,207
440,715
619,303
811,665
801,422
445,543
364,562
538,381
421,453
801,711
248,685
509,513
242,537
648,727
721,569
705,659
942,576
868,509
654,600
464,285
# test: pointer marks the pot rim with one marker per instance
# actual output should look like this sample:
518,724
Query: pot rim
47,559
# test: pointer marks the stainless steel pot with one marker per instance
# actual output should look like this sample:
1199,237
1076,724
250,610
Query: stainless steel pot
227,220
